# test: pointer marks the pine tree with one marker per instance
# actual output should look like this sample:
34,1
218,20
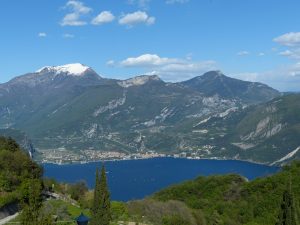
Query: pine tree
101,214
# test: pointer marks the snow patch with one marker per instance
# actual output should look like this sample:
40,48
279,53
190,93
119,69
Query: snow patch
75,69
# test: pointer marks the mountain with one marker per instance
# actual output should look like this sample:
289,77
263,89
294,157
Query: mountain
271,130
214,82
266,133
72,107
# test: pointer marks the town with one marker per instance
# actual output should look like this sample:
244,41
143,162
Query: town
65,156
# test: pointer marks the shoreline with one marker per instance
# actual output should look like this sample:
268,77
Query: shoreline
158,157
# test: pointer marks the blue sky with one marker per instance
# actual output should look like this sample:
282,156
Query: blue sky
256,40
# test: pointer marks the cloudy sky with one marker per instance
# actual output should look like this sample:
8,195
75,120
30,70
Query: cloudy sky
256,40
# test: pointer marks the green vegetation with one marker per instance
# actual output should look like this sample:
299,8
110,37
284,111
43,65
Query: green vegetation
32,205
229,199
101,212
287,214
17,171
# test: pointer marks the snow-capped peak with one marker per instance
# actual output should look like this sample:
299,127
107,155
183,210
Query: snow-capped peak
75,69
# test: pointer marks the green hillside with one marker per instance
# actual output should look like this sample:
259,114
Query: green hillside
17,171
229,199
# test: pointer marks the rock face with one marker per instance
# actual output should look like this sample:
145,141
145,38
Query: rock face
71,106
137,81
267,133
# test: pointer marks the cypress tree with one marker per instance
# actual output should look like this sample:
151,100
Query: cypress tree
95,207
101,214
287,214
105,212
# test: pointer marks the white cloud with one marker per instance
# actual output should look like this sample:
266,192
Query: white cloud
286,53
176,1
287,77
184,70
289,39
293,53
170,69
137,17
261,54
42,34
78,9
103,17
68,35
141,3
243,53
283,78
247,76
294,70
110,63
146,60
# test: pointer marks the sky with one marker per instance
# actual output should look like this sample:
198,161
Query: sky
254,40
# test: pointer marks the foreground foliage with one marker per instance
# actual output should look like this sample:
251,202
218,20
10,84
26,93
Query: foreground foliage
229,199
17,170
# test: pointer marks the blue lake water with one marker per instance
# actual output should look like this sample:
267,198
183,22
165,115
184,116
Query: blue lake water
135,179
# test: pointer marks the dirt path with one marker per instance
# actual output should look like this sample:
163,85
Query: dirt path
7,219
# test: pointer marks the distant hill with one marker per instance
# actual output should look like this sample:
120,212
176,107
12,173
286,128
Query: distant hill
72,107
216,83
267,133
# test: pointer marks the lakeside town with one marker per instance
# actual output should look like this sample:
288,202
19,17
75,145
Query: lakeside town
64,156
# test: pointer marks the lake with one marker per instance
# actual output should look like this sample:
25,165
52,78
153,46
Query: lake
135,179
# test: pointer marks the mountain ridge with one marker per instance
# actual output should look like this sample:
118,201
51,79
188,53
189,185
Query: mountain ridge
138,114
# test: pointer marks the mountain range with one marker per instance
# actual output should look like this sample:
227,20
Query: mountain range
212,115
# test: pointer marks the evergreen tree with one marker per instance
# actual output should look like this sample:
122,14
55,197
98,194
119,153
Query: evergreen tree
96,200
287,214
101,213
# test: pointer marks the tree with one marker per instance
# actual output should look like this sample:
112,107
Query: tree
78,190
32,213
287,214
101,212
31,202
96,200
